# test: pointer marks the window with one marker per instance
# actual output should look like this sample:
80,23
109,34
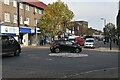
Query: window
6,2
35,21
21,6
14,3
78,28
68,43
40,11
28,19
21,20
35,10
6,17
15,19
27,7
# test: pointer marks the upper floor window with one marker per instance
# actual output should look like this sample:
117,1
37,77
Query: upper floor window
15,19
28,20
35,10
15,3
6,2
27,7
40,11
21,20
21,6
7,17
35,21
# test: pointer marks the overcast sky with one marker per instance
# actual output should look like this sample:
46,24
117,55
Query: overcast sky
92,11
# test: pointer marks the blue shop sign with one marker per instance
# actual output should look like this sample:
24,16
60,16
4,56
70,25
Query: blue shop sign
25,30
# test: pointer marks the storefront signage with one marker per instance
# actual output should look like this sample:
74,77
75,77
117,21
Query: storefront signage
9,29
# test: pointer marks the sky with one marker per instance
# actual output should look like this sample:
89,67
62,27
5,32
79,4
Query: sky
92,11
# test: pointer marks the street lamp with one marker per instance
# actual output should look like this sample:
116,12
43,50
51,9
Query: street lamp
106,30
104,22
18,19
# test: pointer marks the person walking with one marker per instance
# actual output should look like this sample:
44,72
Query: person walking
104,40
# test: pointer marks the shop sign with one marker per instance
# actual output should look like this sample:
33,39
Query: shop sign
32,30
9,29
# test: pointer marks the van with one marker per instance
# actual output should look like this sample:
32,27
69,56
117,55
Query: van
9,45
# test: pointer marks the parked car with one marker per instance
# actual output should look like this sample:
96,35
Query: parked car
64,45
89,42
80,41
10,45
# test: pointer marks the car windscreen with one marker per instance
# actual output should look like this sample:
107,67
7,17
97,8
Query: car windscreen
89,41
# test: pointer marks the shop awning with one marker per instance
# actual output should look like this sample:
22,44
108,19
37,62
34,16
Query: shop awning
25,30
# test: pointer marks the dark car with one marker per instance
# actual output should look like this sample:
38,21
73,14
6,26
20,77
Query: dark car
10,45
64,45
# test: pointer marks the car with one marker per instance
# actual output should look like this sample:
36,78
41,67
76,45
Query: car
10,45
64,45
89,42
80,41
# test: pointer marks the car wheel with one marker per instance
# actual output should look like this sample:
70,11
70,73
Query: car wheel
52,51
57,50
17,52
77,50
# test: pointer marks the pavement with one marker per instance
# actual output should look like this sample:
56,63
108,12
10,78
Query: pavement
106,47
101,47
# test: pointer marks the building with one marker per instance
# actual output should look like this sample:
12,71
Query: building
20,19
79,28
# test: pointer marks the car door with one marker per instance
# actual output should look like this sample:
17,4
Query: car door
69,45
12,44
62,46
5,44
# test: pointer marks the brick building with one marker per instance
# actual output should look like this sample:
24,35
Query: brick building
81,28
29,15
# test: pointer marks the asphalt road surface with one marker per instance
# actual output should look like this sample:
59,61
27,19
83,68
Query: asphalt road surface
38,63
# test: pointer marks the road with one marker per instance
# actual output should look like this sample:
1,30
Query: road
38,63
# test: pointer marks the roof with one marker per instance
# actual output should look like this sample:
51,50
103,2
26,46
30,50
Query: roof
36,3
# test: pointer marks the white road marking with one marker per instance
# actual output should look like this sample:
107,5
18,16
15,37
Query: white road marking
68,54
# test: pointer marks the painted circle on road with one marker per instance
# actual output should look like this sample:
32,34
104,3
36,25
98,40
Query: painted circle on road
68,55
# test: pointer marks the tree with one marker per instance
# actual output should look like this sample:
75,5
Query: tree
110,29
55,17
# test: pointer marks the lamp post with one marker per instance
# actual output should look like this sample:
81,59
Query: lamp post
104,23
18,19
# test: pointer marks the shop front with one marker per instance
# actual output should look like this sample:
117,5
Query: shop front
24,35
9,30
29,36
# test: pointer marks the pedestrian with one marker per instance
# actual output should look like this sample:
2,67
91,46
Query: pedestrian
104,40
